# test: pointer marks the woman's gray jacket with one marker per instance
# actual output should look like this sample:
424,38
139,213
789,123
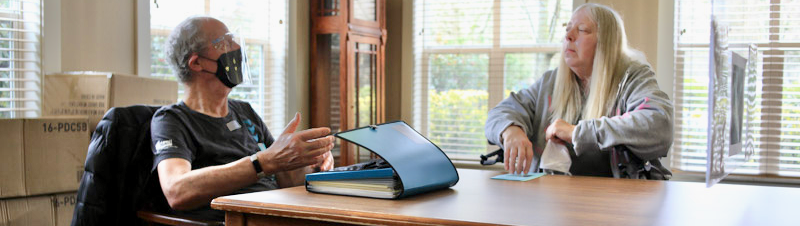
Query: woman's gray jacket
642,122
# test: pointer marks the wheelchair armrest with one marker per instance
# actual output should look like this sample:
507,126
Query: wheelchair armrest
153,218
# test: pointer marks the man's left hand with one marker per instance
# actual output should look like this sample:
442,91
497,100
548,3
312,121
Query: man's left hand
326,164
561,130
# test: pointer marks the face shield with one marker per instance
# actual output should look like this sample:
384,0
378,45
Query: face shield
232,67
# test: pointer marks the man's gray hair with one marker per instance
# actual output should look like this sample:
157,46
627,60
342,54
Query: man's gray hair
185,39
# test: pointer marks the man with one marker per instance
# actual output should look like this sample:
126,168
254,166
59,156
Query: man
207,145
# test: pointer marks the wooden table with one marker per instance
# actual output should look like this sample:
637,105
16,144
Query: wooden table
549,200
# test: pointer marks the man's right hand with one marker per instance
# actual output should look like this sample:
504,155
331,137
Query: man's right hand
517,150
293,150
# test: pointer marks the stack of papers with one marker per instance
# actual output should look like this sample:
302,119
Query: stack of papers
374,183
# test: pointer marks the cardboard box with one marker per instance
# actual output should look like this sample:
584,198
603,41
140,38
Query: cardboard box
28,211
55,210
64,207
55,151
11,160
43,155
93,93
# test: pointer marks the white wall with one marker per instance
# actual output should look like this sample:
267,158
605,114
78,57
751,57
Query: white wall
98,35
89,35
51,36
298,61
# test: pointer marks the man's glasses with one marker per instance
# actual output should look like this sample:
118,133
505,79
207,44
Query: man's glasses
225,42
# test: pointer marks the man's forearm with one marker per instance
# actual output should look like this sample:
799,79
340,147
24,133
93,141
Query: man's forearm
198,187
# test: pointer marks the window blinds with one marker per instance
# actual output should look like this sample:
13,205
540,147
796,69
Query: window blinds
20,58
773,26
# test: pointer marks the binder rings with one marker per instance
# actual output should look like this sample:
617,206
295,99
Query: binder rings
418,165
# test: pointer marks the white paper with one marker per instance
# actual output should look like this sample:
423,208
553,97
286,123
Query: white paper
556,158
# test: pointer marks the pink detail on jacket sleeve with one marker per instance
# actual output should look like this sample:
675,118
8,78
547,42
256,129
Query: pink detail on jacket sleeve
641,106
644,104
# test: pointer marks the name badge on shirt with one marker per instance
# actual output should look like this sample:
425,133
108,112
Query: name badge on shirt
233,125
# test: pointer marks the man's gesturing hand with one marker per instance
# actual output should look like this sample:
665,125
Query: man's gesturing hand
326,164
293,150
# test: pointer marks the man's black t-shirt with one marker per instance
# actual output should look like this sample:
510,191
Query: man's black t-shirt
180,132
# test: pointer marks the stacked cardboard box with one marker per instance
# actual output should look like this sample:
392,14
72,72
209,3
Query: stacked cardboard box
93,93
42,155
44,210
41,158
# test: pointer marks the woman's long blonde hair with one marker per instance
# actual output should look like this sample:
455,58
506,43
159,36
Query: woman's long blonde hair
609,65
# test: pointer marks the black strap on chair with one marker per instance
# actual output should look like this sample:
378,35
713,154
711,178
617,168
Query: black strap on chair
625,164
487,162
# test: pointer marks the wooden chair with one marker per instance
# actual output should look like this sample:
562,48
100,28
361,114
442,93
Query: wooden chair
153,218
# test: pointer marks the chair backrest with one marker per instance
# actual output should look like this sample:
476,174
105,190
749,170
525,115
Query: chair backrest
118,178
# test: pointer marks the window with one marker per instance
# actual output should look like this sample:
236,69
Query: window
772,26
261,23
469,55
20,58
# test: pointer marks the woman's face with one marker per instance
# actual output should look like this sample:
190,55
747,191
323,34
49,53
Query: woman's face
579,43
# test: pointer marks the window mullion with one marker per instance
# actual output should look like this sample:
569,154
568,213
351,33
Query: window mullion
771,110
772,83
496,62
677,160
267,74
424,94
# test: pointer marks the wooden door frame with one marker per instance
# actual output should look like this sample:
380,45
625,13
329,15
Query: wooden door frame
347,155
350,31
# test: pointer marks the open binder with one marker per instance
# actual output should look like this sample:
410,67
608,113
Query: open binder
418,165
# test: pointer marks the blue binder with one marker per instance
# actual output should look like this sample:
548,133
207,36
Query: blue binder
420,165
350,175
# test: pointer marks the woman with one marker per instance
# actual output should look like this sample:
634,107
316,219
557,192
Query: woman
602,96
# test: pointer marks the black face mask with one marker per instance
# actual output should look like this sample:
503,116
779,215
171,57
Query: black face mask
229,68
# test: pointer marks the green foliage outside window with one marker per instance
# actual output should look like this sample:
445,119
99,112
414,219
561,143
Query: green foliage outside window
790,128
456,120
159,66
459,71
